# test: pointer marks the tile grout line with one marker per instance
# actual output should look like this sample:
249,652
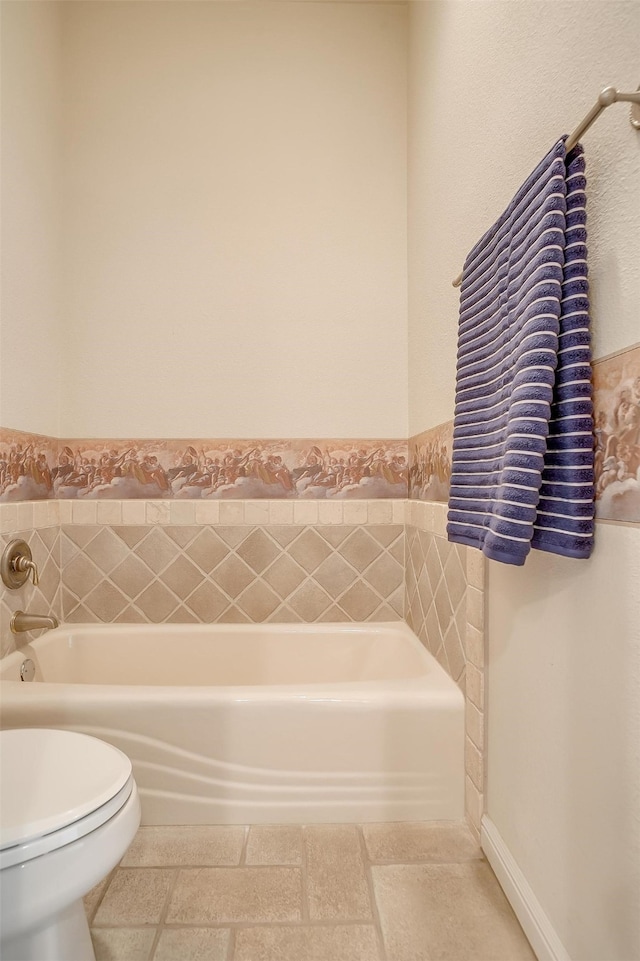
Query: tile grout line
305,914
415,862
245,844
163,915
246,925
231,944
377,923
213,866
94,911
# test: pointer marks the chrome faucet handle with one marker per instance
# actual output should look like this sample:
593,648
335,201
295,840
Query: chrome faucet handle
16,564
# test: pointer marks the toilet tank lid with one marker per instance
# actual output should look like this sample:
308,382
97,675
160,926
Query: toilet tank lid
50,779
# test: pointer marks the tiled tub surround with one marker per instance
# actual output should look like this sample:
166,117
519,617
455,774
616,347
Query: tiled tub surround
444,606
301,561
232,562
376,892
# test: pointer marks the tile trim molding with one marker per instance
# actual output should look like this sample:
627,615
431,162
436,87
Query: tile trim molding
25,515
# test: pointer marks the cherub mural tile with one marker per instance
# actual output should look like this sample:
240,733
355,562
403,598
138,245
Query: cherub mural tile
617,428
27,462
346,469
430,463
198,469
117,469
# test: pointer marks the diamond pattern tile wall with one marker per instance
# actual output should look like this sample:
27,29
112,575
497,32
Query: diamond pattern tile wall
226,574
435,597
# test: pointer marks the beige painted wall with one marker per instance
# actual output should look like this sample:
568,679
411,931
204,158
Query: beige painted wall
30,165
491,85
564,734
235,219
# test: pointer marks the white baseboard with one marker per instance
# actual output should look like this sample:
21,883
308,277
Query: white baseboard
528,910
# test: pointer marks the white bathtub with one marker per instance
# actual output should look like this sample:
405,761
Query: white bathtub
275,723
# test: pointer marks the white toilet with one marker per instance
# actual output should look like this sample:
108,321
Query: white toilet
69,809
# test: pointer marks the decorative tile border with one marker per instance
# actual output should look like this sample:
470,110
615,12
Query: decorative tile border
617,416
26,465
33,467
430,456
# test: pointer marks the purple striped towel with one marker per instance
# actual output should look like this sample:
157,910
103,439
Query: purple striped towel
523,452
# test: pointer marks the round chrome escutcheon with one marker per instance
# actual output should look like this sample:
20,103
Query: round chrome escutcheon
27,670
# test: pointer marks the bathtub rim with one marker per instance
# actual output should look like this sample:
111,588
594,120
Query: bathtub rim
441,687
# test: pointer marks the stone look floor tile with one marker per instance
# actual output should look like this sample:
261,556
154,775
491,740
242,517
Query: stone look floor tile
337,887
340,942
435,895
92,899
197,844
447,912
274,844
122,944
135,897
192,944
421,841
219,895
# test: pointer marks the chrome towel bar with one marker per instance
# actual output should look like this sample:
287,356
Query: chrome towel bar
607,96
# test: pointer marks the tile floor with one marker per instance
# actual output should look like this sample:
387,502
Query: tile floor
339,892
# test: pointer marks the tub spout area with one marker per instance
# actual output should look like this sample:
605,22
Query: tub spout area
22,621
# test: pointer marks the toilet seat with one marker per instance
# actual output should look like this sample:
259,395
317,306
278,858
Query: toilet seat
56,787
